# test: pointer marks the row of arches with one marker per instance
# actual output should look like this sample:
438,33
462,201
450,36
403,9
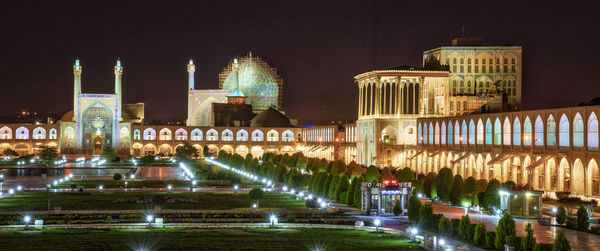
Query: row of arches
578,176
227,135
22,133
512,132
165,149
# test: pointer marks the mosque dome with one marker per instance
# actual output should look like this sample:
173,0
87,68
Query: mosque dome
255,79
270,118
67,117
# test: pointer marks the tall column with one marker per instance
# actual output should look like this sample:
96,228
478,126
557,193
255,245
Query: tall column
118,74
76,87
415,98
191,68
360,100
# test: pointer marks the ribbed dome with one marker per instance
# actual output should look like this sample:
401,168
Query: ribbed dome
270,118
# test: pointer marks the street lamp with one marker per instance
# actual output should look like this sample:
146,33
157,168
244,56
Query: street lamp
27,219
273,220
235,188
414,231
254,206
377,222
169,187
149,219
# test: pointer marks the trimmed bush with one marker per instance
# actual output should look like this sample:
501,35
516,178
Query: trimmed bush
464,228
397,209
456,190
491,197
561,215
561,243
414,206
528,241
372,174
444,226
490,239
426,215
583,223
480,234
506,227
443,181
513,241
543,247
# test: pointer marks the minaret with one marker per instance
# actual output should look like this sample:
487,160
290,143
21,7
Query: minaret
76,87
191,68
118,74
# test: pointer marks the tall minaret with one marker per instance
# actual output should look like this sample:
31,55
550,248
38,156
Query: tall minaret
76,87
191,68
118,74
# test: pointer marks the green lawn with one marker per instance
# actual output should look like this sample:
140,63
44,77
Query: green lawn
202,239
129,200
93,184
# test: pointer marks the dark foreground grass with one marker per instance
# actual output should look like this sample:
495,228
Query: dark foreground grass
130,201
202,239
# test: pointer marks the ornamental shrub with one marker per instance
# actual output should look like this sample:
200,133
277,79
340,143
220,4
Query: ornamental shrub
456,190
583,223
414,206
506,227
480,234
444,226
561,215
528,241
443,181
561,243
397,209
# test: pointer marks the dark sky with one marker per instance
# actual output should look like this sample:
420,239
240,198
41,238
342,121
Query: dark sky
316,46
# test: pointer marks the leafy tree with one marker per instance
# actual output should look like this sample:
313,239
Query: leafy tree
372,174
318,187
480,234
444,226
332,186
428,184
405,175
561,243
10,152
482,185
386,174
256,194
342,186
491,197
108,153
426,215
47,154
509,185
583,223
561,215
456,190
117,177
326,183
528,241
464,228
350,194
414,206
470,190
397,209
358,193
506,227
443,181
185,152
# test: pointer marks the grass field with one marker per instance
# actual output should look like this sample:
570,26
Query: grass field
142,201
202,239
93,184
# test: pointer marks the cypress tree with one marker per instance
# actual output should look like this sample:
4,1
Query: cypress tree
583,223
358,193
561,243
456,190
528,241
372,174
350,194
414,206
443,181
332,186
561,215
325,190
506,227
341,187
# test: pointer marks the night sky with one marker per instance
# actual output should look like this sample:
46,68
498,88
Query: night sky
316,46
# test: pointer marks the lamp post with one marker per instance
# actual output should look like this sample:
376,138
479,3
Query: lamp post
27,219
149,219
273,220
377,222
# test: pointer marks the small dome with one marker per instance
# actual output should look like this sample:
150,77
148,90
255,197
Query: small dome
270,118
68,117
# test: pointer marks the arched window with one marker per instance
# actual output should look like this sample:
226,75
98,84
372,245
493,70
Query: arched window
551,132
592,132
287,136
527,132
450,133
578,131
472,133
563,131
136,134
241,135
52,134
227,135
464,134
430,134
425,139
480,131
456,133
165,134
437,133
488,132
39,133
149,134
517,132
22,133
257,136
181,134
539,131
420,134
69,133
272,136
5,133
507,135
124,133
443,132
212,135
497,132
196,135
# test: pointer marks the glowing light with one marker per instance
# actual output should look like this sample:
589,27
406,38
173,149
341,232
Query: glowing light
27,219
149,218
169,187
132,176
442,242
377,222
414,231
19,188
101,187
